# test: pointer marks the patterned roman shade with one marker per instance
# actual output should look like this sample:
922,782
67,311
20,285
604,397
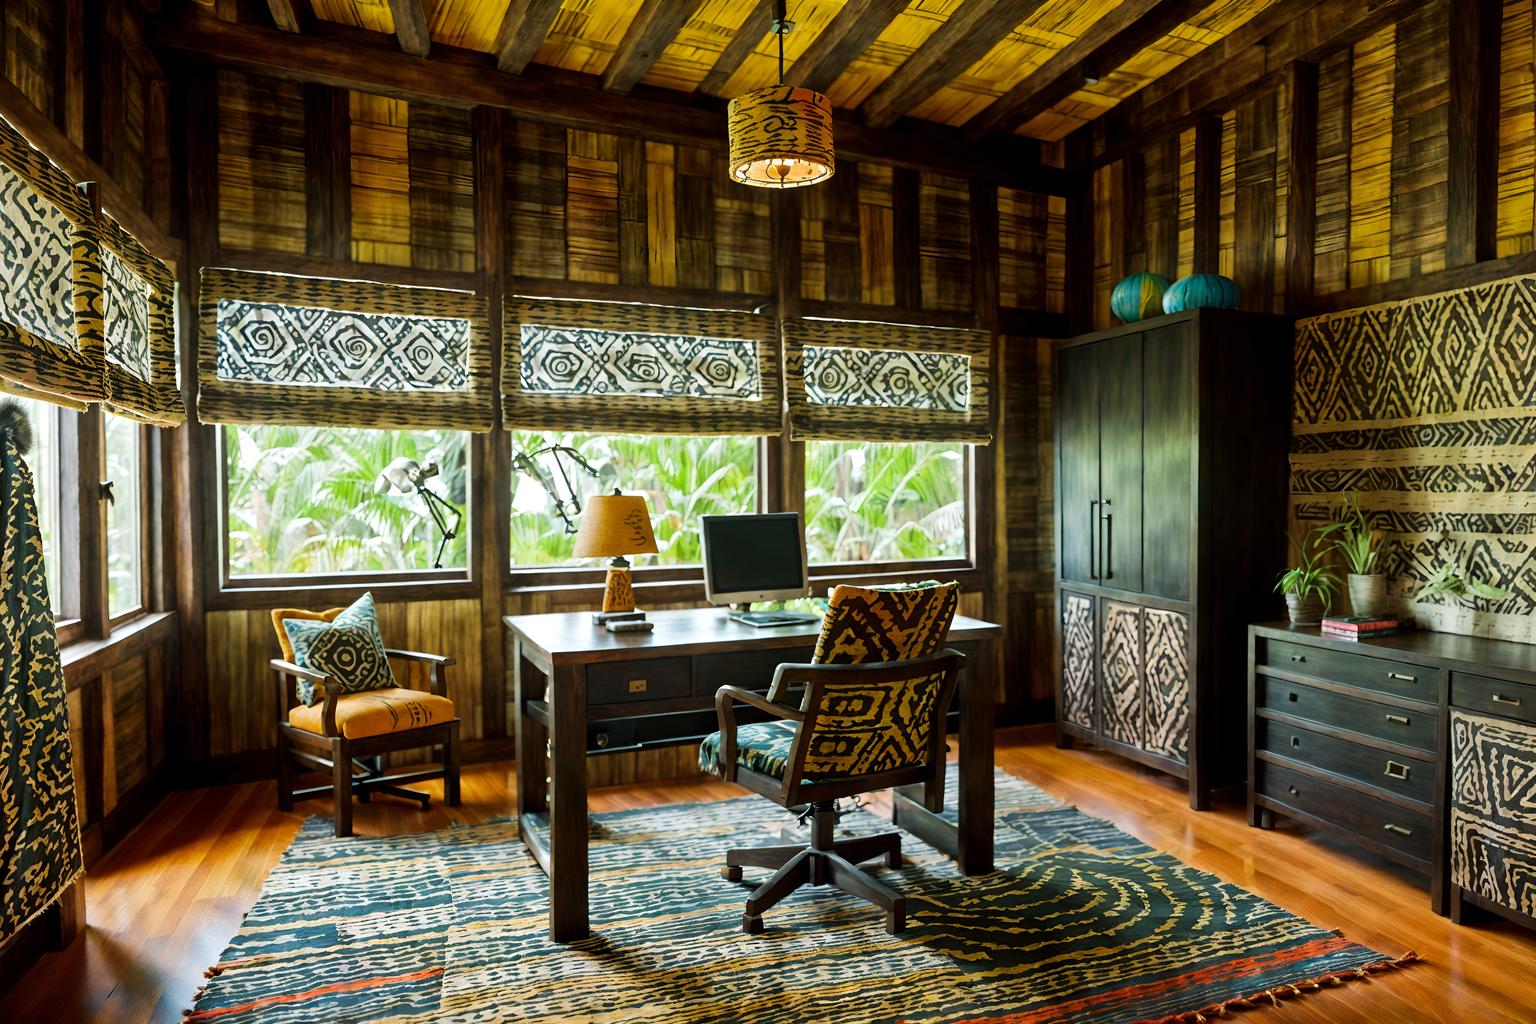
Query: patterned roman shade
304,350
50,279
623,367
852,380
138,314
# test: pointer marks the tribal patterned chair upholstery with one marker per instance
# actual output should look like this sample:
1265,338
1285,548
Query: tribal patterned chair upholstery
870,717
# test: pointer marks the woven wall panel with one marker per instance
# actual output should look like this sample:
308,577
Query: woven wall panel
877,234
261,164
831,238
1425,409
567,392
50,313
1056,254
535,164
1330,261
1370,158
1109,226
379,128
441,148
30,51
945,205
1517,130
898,417
1161,198
139,314
1023,236
1255,146
1186,203
469,407
1226,253
1420,122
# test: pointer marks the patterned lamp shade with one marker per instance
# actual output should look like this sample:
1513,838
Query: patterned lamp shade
1138,296
615,525
1201,291
781,137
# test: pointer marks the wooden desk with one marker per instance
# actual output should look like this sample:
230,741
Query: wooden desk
567,673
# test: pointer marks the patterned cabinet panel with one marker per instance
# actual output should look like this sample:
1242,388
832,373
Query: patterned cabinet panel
1493,809
1121,715
1077,689
1165,695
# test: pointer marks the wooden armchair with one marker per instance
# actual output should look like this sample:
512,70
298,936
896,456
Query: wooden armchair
856,729
338,733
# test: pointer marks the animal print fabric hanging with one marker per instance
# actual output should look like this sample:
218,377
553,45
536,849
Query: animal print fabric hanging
138,317
36,290
579,361
887,378
1493,809
1427,409
125,316
39,831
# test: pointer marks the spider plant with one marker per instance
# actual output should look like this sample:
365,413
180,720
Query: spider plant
1354,538
1449,580
1310,579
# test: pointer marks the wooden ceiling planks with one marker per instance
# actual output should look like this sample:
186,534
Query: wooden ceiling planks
746,38
524,26
651,31
825,54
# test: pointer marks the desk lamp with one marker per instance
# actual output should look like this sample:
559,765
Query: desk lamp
615,525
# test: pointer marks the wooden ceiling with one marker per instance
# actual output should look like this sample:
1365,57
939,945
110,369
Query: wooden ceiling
1040,68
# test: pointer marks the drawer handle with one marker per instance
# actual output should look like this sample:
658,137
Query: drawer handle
1293,790
1396,771
1295,741
602,740
1293,696
1399,719
1499,698
1402,677
1298,657
637,686
1398,829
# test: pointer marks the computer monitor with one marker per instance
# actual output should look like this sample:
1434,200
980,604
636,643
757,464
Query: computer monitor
754,558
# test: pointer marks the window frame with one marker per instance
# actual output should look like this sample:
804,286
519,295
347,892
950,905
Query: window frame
146,550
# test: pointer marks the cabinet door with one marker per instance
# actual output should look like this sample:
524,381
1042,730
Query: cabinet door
1077,461
1119,375
1165,693
1120,702
1077,657
1168,439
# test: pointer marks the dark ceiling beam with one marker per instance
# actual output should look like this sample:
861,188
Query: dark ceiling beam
1227,77
1120,34
849,34
463,79
759,21
523,30
963,39
654,26
285,15
411,26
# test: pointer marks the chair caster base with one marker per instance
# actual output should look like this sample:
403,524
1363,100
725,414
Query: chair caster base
752,924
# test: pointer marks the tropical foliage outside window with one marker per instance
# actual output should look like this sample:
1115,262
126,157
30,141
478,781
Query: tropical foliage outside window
124,536
682,479
884,502
302,500
44,462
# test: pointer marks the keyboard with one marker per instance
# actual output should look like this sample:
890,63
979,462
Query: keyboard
774,618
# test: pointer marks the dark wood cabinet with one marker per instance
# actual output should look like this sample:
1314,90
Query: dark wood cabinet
1171,439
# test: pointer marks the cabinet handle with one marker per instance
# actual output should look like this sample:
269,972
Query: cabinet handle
1400,677
1109,543
1399,719
1093,529
602,740
1396,771
1499,698
1295,741
1294,696
1398,829
637,686
1293,790
1298,657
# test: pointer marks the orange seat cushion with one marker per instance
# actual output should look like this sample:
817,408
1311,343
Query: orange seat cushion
376,712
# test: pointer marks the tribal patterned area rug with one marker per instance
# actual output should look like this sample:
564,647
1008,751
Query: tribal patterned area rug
1079,923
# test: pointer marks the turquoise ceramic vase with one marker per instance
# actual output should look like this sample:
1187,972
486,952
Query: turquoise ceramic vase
1201,291
1138,296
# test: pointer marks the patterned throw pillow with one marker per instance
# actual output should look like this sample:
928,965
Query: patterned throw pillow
348,649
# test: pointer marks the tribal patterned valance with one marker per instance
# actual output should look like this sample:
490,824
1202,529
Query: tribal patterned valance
138,316
280,349
50,278
616,366
857,381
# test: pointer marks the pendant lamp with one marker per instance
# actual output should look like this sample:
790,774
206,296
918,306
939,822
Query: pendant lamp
781,136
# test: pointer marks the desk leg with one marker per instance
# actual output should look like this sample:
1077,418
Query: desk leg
568,815
975,798
528,683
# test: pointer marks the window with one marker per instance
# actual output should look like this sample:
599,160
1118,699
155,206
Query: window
125,534
885,502
303,500
47,481
681,477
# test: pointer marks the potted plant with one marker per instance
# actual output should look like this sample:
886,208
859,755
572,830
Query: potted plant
1309,585
1355,539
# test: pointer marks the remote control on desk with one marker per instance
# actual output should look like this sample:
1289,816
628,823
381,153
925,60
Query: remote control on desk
631,626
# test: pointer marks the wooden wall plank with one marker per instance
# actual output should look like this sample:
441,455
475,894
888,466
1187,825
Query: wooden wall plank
696,178
328,172
535,188
1022,236
634,251
1256,142
1420,141
944,204
261,172
440,146
661,213
1160,203
381,179
1472,158
1301,164
1206,188
1370,158
1516,207
877,234
592,207
128,686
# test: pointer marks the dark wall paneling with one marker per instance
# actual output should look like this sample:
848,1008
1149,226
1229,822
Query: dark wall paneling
1160,207
1370,158
877,234
743,238
30,31
592,208
535,164
1108,237
1028,480
1226,231
697,171
261,172
945,220
1420,143
1335,95
442,188
1255,146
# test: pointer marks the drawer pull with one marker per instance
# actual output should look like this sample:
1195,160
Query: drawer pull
1396,771
1499,698
1293,790
1398,829
637,686
1293,697
1402,677
602,740
1298,657
1295,741
1399,719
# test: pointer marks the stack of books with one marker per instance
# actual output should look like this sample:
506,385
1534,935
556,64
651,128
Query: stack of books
1359,627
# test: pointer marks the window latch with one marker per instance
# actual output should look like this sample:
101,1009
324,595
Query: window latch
106,493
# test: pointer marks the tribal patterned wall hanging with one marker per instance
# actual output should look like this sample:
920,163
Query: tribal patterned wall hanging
301,350
125,316
1427,409
852,380
571,365
138,316
50,278
1493,809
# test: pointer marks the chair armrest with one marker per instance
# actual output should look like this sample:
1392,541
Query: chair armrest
288,668
426,659
725,710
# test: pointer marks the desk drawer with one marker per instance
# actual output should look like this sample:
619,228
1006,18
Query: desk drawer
624,681
1362,670
1399,725
750,670
1405,776
1497,697
1372,818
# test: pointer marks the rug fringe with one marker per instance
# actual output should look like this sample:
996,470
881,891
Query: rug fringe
1272,996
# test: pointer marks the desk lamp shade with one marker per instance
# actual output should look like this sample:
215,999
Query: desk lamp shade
615,525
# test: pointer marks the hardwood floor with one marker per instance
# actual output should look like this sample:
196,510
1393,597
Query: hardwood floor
163,904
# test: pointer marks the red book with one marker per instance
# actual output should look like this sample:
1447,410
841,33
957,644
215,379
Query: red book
1358,624
1341,634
